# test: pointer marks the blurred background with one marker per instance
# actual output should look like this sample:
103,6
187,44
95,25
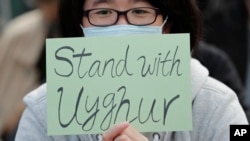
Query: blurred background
10,9
25,24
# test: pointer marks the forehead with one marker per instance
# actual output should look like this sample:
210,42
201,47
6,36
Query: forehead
110,1
115,3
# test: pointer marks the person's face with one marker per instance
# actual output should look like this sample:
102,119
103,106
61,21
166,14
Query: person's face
120,5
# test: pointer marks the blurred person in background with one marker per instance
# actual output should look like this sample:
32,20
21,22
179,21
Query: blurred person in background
247,101
220,67
225,26
225,29
10,9
22,60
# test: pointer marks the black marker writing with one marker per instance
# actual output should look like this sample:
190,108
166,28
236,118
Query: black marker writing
89,67
108,104
166,65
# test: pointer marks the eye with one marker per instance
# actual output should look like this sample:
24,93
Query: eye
142,11
139,11
103,12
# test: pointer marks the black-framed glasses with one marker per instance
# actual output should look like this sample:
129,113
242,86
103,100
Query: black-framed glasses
139,16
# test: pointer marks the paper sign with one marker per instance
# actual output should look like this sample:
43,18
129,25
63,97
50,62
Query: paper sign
95,82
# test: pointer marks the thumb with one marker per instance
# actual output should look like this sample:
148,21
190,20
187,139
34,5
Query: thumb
114,131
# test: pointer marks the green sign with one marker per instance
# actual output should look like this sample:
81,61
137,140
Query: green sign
95,82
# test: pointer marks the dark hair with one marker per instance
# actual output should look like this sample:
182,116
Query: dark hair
183,15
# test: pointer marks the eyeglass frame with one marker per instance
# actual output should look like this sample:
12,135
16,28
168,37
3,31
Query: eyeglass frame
119,13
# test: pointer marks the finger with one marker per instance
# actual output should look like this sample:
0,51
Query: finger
114,131
122,138
133,134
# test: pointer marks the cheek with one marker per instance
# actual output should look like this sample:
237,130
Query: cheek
85,22
158,21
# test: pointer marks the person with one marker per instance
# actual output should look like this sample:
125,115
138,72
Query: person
221,67
229,17
21,58
247,99
214,106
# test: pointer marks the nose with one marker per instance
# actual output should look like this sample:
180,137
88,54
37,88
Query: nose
122,20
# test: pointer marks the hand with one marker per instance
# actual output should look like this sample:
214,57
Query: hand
123,132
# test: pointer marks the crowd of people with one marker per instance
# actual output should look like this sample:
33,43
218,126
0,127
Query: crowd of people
219,42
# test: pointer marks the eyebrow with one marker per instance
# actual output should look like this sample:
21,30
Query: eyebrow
100,1
103,1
